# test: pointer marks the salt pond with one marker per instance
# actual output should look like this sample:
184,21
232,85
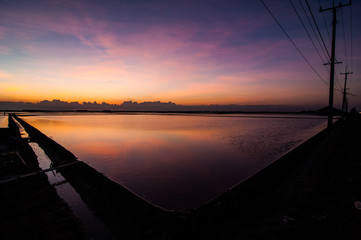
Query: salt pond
178,161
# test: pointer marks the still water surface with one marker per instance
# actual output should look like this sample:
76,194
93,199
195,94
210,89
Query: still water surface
178,161
3,121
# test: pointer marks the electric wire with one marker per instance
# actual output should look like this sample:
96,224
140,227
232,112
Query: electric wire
318,29
338,100
344,36
328,32
308,34
324,22
289,38
337,82
337,87
313,30
344,43
351,38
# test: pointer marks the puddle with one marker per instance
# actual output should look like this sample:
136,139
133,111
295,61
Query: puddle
22,131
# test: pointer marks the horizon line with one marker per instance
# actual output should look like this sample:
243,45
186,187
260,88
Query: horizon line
54,101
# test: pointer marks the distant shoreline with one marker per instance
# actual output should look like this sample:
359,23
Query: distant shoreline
315,113
58,105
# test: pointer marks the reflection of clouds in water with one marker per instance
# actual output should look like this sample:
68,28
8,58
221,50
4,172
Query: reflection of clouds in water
3,121
177,161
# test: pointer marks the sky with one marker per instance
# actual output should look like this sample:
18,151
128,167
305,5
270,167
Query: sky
187,52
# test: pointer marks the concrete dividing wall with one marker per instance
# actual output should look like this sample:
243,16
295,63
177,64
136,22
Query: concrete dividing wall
127,215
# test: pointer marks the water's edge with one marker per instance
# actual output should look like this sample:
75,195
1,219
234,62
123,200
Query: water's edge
125,213
139,217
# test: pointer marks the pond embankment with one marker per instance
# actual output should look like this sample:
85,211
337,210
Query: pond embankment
30,207
313,192
127,215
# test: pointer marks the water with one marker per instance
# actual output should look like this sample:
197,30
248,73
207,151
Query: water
178,161
93,226
3,121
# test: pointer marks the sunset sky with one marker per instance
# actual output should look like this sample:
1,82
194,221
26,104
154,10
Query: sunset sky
187,52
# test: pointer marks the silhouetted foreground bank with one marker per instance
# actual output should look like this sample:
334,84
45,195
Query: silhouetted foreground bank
30,207
127,215
313,192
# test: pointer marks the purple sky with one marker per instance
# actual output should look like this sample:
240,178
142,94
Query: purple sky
187,52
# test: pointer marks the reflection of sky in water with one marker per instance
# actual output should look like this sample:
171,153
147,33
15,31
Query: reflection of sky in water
177,161
3,121
93,226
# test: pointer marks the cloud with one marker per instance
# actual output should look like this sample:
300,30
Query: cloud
164,49
4,74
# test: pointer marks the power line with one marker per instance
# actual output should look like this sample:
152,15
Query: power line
351,43
289,38
324,22
337,82
344,36
308,34
344,41
332,59
314,20
313,30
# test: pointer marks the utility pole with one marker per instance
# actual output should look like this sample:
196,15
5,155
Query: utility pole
332,60
344,100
